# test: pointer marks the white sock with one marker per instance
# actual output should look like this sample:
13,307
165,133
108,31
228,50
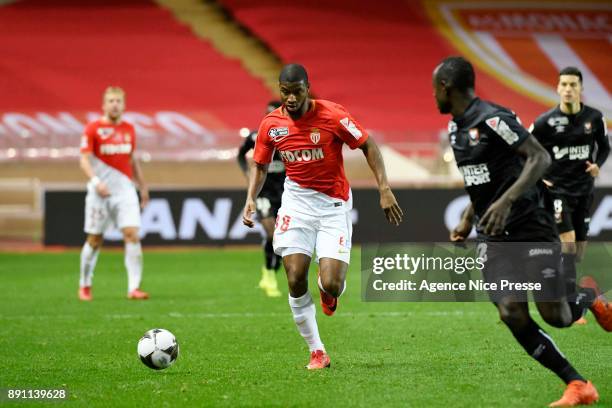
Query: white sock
321,286
89,257
304,311
133,264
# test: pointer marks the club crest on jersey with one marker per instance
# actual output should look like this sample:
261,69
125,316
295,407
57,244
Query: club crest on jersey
278,132
452,126
315,135
474,136
127,137
588,128
104,133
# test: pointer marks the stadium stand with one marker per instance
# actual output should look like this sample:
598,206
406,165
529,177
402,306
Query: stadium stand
377,57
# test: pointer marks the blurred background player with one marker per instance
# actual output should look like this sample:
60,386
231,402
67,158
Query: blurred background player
502,165
315,211
268,202
107,159
576,138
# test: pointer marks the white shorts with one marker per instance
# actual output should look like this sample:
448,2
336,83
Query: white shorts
328,235
122,210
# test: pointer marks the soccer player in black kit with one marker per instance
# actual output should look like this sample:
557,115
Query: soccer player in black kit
576,138
268,202
502,164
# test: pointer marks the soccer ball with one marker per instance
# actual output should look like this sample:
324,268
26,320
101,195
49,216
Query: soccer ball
158,349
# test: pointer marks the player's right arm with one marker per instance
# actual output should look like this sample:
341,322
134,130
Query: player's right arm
463,229
264,149
87,142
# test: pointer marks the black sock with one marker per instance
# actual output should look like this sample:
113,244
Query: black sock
580,301
569,272
541,347
272,260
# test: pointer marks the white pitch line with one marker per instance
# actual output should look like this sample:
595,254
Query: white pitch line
178,315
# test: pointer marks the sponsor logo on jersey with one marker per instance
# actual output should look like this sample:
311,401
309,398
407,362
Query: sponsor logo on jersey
105,132
475,174
540,251
110,149
304,155
574,152
502,129
278,133
558,122
588,128
474,136
351,127
315,135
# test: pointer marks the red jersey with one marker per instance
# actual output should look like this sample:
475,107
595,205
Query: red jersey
311,146
113,144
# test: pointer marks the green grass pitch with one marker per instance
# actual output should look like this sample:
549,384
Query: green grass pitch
239,348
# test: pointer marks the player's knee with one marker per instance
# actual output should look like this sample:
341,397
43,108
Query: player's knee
296,279
569,248
95,241
131,235
512,314
556,315
332,284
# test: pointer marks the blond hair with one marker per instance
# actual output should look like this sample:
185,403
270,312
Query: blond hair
113,90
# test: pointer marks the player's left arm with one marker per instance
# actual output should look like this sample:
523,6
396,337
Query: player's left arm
140,182
603,149
388,203
537,160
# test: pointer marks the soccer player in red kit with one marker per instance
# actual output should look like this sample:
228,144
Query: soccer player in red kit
107,159
315,212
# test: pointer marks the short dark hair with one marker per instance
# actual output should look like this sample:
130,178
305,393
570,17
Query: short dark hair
458,72
275,104
571,71
293,73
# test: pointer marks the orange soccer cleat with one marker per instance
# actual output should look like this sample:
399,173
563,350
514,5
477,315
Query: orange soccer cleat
577,393
138,294
601,308
318,359
85,293
328,302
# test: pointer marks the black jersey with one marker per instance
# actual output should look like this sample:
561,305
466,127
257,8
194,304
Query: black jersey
274,184
571,140
484,140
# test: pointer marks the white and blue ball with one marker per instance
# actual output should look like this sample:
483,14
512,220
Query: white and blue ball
158,349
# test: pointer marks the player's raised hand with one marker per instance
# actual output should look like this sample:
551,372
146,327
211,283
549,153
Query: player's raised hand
102,189
144,197
247,214
392,210
494,220
592,169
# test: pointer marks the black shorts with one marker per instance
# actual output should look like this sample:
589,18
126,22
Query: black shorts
573,213
517,268
267,206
